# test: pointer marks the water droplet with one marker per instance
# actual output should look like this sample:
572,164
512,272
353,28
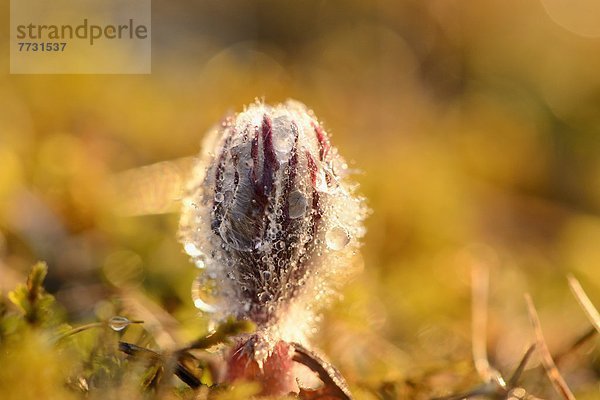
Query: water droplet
219,197
337,238
282,137
192,250
118,323
204,294
263,297
321,183
296,204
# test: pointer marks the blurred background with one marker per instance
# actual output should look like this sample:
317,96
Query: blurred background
475,128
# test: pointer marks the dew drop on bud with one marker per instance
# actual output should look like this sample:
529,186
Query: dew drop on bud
203,294
321,181
337,238
199,263
283,140
263,297
297,204
192,250
118,323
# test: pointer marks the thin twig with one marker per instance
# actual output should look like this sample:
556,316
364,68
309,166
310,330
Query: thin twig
479,287
81,329
335,384
585,302
560,385
180,369
91,325
580,341
512,382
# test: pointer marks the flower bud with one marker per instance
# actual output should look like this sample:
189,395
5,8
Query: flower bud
271,219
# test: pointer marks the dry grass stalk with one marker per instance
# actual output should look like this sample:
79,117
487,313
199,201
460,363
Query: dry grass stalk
494,385
559,383
585,302
479,287
580,341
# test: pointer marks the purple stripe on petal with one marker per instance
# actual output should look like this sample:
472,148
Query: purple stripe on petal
270,165
254,154
316,207
324,145
292,170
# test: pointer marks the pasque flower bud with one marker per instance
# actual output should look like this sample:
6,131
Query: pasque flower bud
272,220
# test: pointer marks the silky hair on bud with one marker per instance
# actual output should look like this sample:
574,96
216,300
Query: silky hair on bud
272,219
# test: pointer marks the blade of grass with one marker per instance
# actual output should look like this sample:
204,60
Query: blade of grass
521,367
559,383
585,302
180,369
479,288
580,341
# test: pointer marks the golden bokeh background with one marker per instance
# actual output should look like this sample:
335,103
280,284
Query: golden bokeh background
475,128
